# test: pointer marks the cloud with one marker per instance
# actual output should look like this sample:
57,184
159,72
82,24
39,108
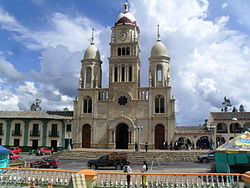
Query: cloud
224,5
60,69
51,98
9,71
8,100
56,82
73,32
208,60
9,22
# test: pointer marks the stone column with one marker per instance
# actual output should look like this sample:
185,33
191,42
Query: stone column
63,134
26,134
45,126
8,127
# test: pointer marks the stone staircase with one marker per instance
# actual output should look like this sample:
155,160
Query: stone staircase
166,155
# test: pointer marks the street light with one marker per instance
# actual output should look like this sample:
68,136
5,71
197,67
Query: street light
211,128
138,128
234,119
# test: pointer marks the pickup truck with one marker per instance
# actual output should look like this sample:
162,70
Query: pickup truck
112,160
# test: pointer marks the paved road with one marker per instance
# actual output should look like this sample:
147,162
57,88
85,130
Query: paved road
159,166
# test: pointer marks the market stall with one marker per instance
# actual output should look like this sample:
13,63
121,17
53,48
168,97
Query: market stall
4,157
234,155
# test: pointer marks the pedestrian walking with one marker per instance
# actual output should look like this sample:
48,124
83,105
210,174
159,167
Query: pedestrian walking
144,170
146,147
127,169
164,145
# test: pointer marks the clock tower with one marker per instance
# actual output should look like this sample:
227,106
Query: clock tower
124,62
124,115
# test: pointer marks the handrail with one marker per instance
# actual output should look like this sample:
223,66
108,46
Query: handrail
173,174
122,173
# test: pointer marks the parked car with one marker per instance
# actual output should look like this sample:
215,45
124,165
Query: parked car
43,151
15,150
206,157
16,157
45,162
111,160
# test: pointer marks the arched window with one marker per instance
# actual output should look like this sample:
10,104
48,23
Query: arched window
88,75
119,52
159,104
159,73
127,51
87,105
123,51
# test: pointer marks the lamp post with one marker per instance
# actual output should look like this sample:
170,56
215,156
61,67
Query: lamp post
211,128
234,119
138,128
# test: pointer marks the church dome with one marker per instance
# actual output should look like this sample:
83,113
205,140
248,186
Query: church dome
92,52
159,49
125,17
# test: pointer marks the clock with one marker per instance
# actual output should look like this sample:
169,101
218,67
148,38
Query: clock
123,35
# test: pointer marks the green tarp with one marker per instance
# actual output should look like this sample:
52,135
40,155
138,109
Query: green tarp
4,158
234,155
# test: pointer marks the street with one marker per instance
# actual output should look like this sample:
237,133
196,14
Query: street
159,166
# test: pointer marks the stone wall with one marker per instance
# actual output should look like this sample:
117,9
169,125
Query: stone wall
171,156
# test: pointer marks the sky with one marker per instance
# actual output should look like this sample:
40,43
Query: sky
42,43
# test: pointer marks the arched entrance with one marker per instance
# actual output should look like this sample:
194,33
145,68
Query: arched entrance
203,143
121,139
183,143
159,136
86,136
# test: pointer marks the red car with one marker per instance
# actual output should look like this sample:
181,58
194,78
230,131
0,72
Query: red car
16,157
43,151
45,162
15,150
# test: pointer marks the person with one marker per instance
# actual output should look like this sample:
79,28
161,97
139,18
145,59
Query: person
136,146
164,145
127,169
144,170
146,147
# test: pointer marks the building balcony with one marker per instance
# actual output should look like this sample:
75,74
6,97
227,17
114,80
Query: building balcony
34,133
16,133
53,133
1,132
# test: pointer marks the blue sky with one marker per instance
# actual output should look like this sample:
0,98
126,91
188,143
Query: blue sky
42,43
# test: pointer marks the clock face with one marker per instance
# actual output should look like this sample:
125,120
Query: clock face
123,35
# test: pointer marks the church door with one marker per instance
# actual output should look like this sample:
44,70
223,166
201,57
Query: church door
121,136
159,136
86,136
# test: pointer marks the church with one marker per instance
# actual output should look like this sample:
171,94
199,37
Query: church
124,115
120,116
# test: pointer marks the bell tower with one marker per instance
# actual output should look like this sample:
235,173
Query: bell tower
159,74
124,61
91,71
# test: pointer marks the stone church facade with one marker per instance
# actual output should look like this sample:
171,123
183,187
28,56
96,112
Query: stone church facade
124,113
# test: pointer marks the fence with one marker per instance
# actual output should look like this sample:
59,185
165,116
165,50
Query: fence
153,180
19,177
